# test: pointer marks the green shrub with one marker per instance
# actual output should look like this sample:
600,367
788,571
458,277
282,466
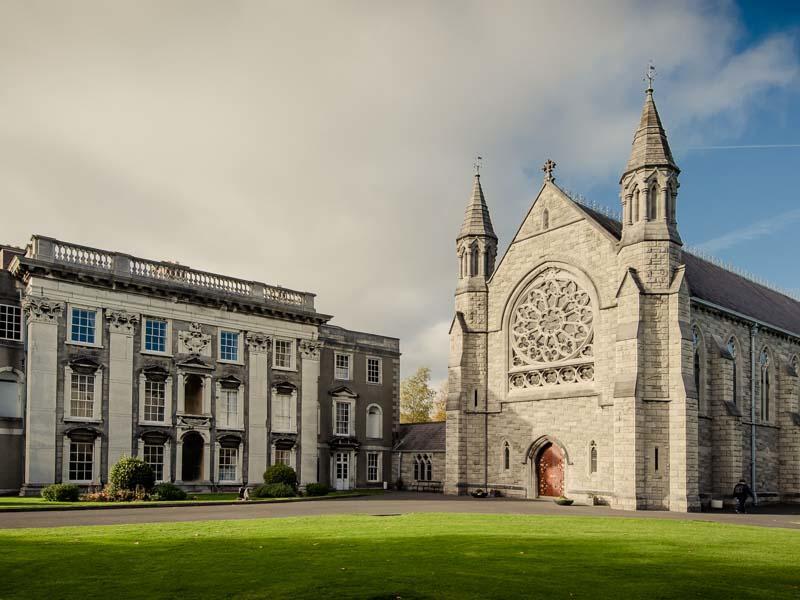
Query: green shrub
273,490
61,492
131,472
281,473
168,491
317,489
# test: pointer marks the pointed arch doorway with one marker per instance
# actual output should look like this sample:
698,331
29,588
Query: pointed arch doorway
549,470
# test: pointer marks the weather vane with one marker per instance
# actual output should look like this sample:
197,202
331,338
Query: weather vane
548,168
650,76
477,165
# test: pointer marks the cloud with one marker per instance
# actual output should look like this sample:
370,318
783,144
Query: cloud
328,146
752,232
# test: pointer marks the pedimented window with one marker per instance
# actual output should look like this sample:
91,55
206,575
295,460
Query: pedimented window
551,333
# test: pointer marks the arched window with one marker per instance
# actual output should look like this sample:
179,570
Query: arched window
417,463
652,203
374,421
423,468
697,346
428,468
765,385
592,457
545,219
635,206
735,375
474,262
506,456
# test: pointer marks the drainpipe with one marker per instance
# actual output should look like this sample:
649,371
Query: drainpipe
753,331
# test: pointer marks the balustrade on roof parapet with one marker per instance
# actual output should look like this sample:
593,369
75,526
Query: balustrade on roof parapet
50,250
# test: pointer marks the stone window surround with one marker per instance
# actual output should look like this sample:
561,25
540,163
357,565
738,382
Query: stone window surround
350,415
167,401
292,455
222,407
95,480
98,325
770,399
97,397
703,405
336,367
167,472
379,361
182,375
378,466
380,421
292,354
237,480
168,348
505,457
239,354
292,427
736,359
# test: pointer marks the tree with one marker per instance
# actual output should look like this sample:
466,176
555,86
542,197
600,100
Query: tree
440,403
416,397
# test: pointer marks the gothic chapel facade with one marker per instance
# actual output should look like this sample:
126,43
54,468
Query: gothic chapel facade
600,361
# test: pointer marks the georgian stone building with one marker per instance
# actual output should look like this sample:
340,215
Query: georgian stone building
208,378
599,360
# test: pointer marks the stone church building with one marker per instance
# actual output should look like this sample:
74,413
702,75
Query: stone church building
599,360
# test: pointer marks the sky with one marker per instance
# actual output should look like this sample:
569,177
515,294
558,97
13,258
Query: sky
328,146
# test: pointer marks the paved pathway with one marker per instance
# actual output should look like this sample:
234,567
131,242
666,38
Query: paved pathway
391,503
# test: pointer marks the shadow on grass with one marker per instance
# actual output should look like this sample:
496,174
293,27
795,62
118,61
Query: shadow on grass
410,556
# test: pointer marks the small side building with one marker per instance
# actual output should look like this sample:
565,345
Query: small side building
419,456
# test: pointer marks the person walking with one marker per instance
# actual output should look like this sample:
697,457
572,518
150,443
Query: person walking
742,491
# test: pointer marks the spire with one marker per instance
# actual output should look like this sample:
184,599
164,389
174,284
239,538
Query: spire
477,221
650,147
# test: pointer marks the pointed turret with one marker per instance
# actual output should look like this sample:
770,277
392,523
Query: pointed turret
650,147
477,221
650,181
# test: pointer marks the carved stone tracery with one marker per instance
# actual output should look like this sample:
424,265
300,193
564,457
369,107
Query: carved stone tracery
551,333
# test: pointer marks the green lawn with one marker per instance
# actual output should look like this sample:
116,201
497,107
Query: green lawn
409,556
36,503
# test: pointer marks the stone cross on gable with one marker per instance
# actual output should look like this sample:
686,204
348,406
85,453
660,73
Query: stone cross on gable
548,168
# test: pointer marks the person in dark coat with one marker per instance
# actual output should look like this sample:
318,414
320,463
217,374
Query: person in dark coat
742,491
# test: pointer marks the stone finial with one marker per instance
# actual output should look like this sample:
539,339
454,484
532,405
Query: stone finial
548,168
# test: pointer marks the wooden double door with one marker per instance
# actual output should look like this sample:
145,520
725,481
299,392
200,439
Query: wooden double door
550,471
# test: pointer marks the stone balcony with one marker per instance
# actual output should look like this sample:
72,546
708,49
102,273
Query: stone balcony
51,255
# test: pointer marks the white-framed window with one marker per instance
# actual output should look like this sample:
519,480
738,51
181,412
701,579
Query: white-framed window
229,342
155,400
84,328
373,467
374,421
283,354
227,463
342,417
153,455
342,366
374,369
156,335
81,461
82,394
283,410
10,322
229,408
283,457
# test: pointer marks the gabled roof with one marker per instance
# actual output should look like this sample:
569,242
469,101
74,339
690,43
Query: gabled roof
714,284
429,437
477,221
650,147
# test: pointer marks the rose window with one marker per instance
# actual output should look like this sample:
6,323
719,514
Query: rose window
551,333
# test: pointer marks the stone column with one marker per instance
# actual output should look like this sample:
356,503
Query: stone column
258,345
42,374
309,350
120,384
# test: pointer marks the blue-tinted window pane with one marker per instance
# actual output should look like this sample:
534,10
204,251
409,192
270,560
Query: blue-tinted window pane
83,326
155,336
229,345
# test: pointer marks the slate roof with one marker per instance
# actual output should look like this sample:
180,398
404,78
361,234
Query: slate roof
422,436
476,218
720,286
650,147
